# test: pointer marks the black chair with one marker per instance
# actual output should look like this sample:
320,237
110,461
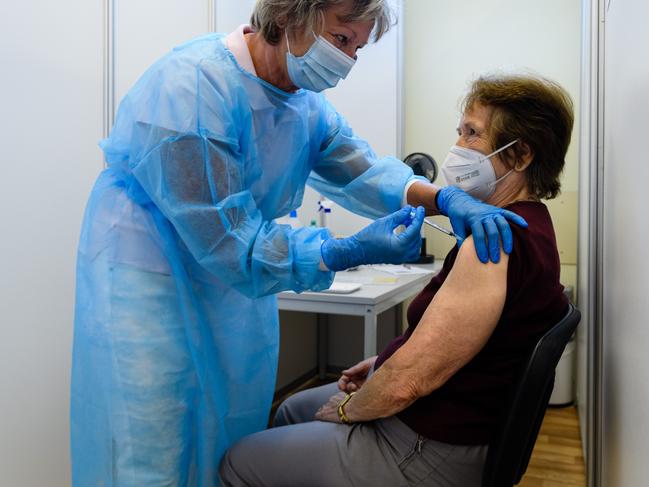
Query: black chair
509,453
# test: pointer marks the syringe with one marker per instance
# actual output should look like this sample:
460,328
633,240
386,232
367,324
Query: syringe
441,229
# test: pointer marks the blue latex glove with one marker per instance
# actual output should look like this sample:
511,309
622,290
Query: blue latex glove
485,222
377,243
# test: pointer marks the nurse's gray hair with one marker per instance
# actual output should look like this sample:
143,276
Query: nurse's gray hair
271,17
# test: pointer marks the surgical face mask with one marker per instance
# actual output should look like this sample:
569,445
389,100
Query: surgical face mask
322,67
472,171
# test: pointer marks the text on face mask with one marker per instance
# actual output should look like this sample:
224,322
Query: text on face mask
467,176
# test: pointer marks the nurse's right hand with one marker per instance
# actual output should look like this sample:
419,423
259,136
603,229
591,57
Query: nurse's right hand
377,243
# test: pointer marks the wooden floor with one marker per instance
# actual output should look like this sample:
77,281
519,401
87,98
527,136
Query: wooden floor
557,459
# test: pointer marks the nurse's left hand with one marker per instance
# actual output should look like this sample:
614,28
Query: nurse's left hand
378,243
329,411
488,224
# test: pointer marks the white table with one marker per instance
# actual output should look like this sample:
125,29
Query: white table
369,301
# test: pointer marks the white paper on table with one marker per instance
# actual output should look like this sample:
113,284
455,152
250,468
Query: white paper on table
380,280
400,270
339,287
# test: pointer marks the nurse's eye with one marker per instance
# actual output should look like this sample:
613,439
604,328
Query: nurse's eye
341,39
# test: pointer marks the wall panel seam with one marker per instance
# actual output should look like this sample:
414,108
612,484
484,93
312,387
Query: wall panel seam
109,66
211,15
400,80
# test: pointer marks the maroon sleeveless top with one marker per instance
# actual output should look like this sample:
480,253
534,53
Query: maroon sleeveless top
465,409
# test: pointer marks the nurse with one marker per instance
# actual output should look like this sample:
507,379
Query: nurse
176,325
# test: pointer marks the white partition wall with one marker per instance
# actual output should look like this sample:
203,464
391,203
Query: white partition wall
58,61
625,231
232,13
614,273
145,30
51,98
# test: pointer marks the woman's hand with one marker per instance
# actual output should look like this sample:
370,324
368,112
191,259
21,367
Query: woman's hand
350,381
354,377
329,411
488,224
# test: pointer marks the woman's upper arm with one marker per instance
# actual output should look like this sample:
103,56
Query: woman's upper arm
457,323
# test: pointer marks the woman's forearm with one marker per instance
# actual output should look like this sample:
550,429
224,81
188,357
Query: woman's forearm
423,194
411,372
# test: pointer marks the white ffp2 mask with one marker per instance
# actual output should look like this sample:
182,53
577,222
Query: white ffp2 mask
472,171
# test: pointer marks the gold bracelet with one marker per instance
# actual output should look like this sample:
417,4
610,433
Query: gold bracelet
341,412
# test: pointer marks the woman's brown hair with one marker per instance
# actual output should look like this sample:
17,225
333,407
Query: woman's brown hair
537,112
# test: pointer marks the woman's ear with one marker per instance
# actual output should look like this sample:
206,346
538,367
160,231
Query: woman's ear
525,157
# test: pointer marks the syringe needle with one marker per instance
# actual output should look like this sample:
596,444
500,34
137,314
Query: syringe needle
441,229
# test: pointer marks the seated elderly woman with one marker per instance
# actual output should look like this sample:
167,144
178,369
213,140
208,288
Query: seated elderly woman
424,411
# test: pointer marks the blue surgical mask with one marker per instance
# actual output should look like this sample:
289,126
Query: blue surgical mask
321,67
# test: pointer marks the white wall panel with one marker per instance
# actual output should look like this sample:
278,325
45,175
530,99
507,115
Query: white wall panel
626,223
148,29
230,14
51,98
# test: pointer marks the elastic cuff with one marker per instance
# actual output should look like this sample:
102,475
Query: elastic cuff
442,197
308,271
410,182
323,267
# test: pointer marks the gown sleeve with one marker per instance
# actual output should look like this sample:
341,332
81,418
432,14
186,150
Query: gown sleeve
195,175
348,171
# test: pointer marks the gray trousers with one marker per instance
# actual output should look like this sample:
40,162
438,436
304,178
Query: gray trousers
299,451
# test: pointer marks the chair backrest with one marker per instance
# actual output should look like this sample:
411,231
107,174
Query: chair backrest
510,451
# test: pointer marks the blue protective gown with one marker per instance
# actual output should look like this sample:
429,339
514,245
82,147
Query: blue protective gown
176,324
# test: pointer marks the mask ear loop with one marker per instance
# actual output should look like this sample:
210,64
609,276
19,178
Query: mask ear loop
501,178
321,24
501,149
288,45
496,152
